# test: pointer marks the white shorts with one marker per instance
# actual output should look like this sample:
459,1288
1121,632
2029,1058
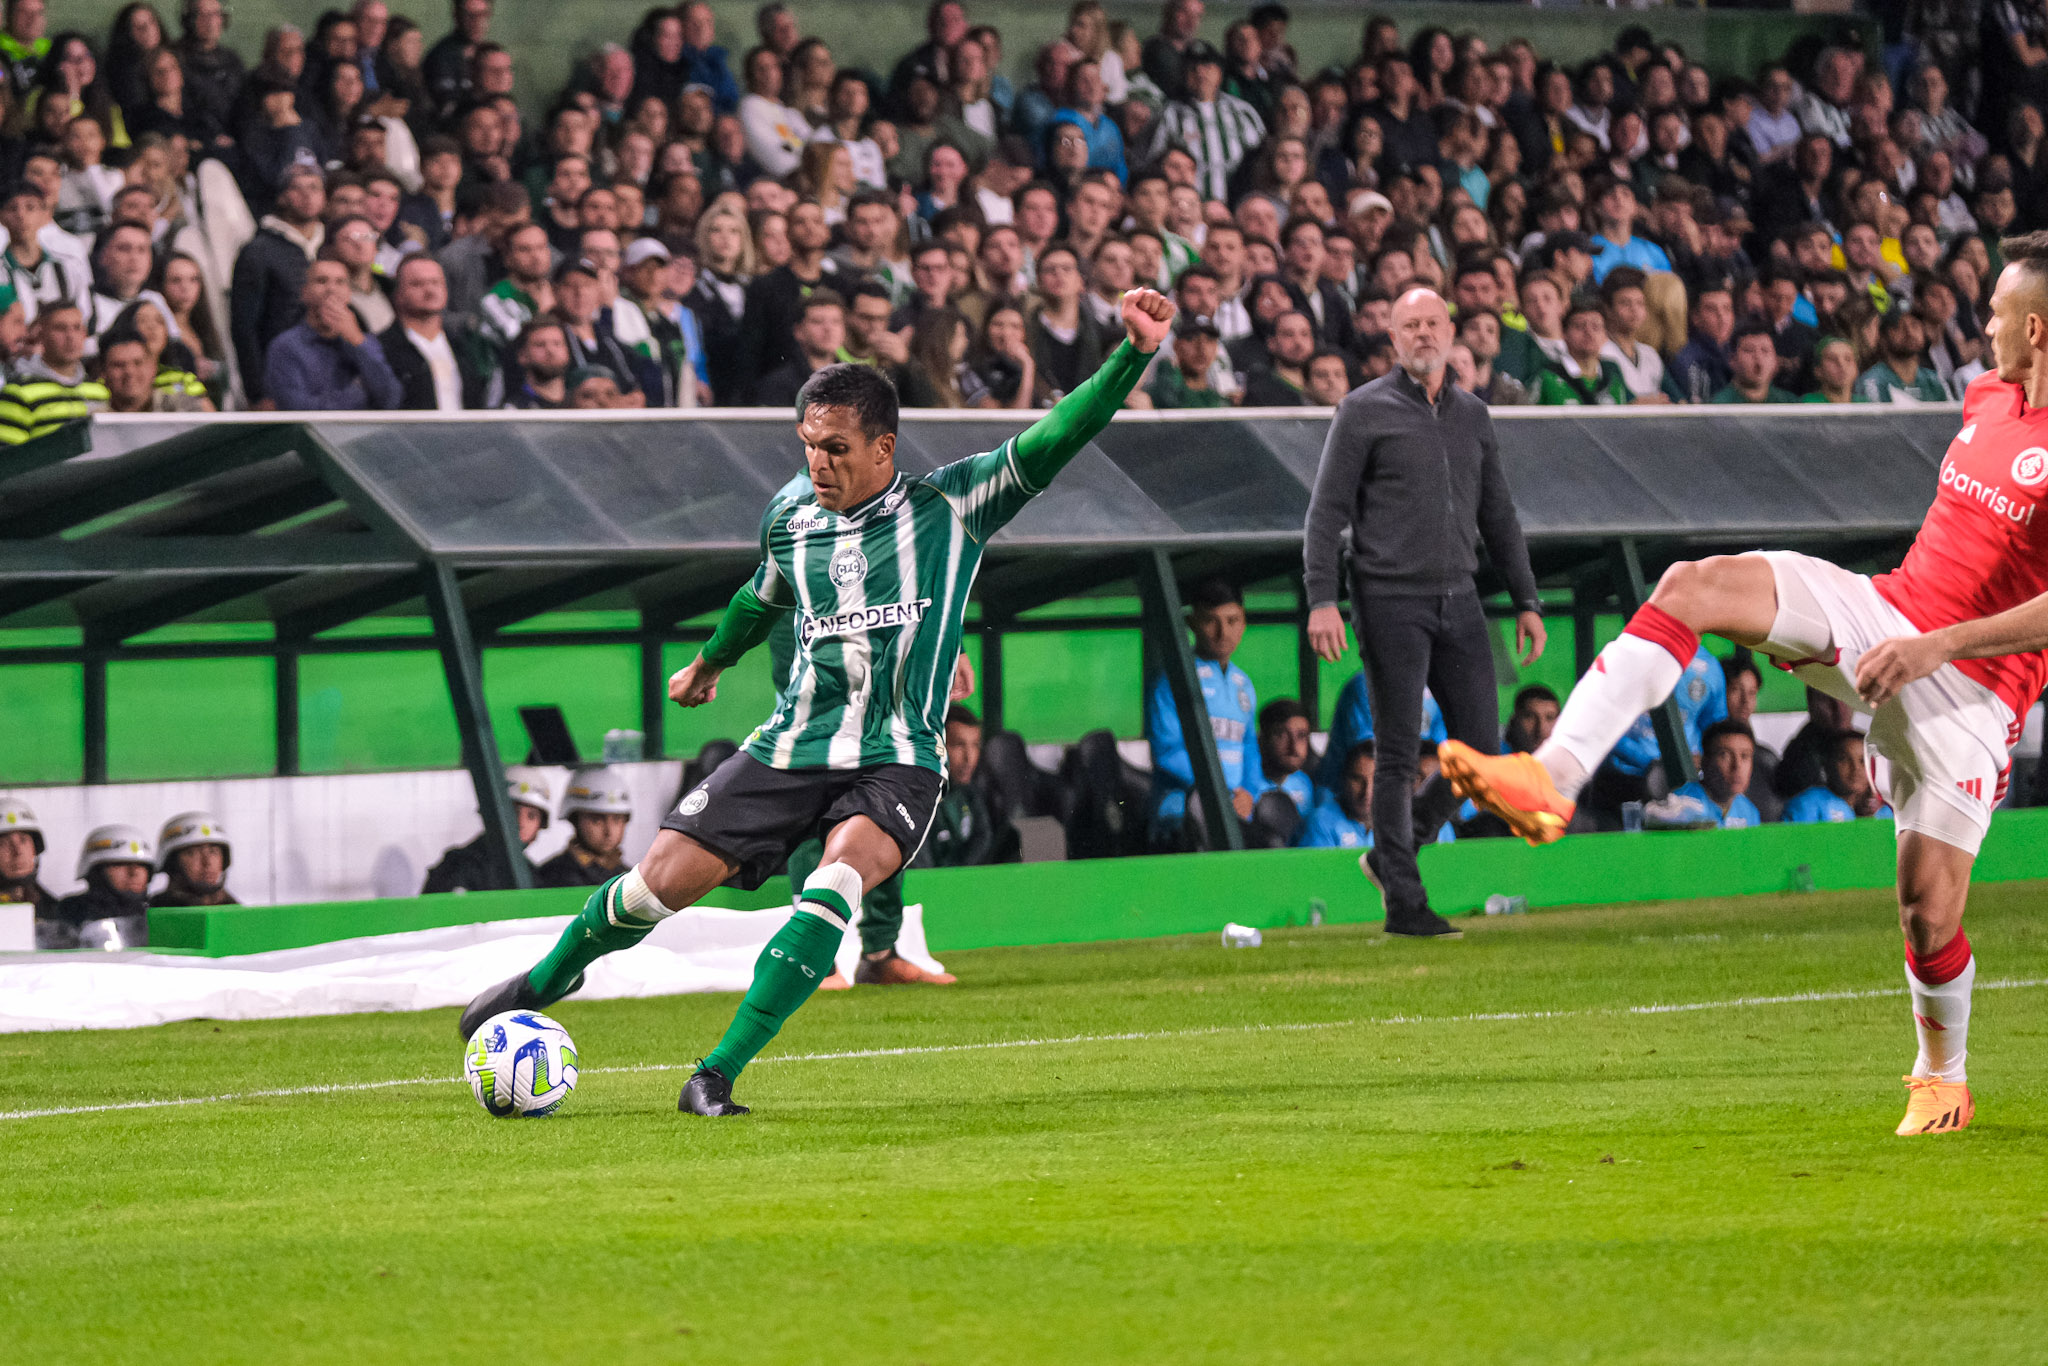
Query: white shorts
1939,752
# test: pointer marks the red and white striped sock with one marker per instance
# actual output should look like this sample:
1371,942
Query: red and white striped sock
1940,983
1636,671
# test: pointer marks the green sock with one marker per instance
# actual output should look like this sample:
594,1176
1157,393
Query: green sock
787,972
587,938
881,916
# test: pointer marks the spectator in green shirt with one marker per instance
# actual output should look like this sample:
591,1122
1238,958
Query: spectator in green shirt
1834,370
1524,350
1753,363
1901,374
1584,376
1184,381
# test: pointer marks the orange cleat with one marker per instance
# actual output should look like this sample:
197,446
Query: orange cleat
1514,787
894,971
1934,1106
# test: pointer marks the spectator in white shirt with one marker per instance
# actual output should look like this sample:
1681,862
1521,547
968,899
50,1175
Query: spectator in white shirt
776,134
1627,308
39,273
1773,127
1219,131
848,106
86,199
1825,108
1591,111
440,367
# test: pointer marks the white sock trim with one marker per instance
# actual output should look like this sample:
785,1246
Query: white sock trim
815,908
635,899
842,881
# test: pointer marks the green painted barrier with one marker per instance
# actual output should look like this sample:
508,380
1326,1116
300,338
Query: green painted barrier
1142,898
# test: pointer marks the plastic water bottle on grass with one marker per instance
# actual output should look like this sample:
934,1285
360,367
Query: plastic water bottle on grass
1500,904
1236,936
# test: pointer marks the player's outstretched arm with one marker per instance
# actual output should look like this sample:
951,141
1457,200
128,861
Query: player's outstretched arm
1890,665
746,623
1044,448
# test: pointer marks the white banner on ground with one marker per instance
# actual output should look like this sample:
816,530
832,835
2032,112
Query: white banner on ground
341,837
700,949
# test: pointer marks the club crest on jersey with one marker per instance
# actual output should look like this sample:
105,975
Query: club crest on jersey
849,566
2030,467
695,802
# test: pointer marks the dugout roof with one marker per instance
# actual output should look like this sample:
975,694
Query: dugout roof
313,522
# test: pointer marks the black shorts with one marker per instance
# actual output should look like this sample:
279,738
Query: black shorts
754,815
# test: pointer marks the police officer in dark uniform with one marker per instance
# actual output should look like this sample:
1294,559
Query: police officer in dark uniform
598,805
21,854
467,868
194,854
113,910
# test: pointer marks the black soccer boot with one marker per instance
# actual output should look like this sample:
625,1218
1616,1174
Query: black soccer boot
707,1092
1420,923
514,993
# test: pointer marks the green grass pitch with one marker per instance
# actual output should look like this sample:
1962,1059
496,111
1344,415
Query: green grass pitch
1333,1148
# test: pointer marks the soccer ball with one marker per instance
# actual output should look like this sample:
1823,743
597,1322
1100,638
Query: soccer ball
520,1063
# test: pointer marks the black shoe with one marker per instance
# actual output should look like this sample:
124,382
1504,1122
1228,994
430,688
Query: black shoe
1422,923
707,1092
514,993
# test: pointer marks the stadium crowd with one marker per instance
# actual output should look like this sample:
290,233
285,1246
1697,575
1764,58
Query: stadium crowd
373,216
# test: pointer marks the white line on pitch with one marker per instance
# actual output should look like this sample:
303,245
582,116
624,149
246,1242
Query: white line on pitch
1484,1017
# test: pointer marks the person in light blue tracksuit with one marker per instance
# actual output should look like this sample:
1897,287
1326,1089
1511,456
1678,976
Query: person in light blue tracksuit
1341,817
1216,615
1844,789
1284,751
1353,722
1727,761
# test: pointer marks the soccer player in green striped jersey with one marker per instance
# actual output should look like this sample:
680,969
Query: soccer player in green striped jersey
876,566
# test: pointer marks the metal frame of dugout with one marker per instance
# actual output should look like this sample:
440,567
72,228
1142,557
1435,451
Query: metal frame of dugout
316,522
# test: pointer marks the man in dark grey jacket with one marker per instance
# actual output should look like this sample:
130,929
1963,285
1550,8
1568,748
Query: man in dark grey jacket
1411,468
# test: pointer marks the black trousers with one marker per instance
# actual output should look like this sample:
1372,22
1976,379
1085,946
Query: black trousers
1408,642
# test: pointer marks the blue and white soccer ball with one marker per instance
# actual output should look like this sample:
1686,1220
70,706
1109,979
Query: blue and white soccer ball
520,1064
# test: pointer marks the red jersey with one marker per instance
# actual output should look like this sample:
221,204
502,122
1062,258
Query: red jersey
1984,545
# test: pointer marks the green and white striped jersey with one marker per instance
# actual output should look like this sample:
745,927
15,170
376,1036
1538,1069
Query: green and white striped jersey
879,596
879,591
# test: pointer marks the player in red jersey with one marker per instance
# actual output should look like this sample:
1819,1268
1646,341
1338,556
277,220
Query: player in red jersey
1946,655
